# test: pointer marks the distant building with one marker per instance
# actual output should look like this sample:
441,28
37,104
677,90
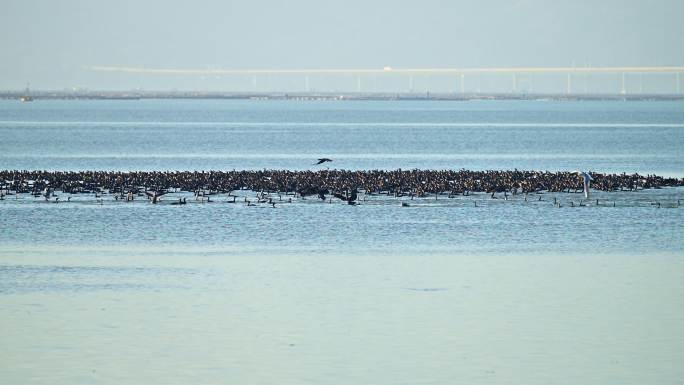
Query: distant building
26,97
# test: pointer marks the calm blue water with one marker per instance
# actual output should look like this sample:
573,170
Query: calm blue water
449,290
203,135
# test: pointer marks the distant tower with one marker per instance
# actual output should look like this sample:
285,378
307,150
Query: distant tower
27,95
515,83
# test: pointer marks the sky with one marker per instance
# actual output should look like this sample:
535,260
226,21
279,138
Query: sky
51,44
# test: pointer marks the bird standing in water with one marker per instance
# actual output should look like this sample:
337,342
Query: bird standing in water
586,179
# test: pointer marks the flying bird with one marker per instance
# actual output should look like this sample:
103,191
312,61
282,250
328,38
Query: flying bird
155,196
323,160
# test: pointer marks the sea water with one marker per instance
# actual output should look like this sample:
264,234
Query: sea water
447,290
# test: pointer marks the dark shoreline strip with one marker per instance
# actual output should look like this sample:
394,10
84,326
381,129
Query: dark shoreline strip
414,182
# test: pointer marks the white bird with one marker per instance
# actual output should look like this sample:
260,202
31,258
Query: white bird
586,179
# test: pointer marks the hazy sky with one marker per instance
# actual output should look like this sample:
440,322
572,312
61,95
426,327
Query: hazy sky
49,42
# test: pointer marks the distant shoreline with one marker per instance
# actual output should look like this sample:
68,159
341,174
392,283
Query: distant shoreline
331,96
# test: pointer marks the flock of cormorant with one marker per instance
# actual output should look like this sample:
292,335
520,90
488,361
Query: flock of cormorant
342,184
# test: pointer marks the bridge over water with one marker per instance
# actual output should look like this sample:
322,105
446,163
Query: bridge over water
519,78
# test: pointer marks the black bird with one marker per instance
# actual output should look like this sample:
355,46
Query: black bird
349,198
180,202
156,196
323,160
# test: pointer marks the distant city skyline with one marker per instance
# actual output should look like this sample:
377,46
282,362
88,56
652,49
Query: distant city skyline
58,45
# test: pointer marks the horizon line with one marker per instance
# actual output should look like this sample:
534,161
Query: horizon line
386,70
